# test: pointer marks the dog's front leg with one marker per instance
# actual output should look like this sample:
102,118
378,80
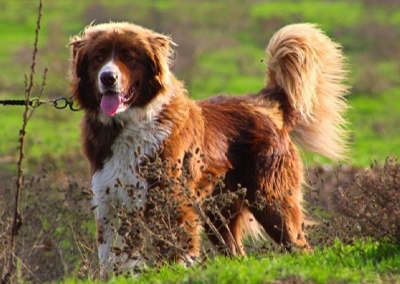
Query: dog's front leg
105,218
117,251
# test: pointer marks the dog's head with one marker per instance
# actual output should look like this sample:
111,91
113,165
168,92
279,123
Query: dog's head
116,66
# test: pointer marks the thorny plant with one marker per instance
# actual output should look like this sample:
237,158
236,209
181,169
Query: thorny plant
12,256
155,231
370,207
357,203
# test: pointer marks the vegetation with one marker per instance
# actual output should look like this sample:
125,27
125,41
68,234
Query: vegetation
366,261
214,54
220,49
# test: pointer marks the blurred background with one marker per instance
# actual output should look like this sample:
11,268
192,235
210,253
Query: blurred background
220,49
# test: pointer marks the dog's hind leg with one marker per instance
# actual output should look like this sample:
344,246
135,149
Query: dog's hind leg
282,219
230,220
275,197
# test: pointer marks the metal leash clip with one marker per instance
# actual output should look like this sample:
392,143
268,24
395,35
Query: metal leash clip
58,103
63,102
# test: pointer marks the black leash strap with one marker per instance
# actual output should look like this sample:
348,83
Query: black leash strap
59,103
13,102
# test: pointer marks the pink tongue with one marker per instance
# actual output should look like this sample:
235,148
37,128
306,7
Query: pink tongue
110,103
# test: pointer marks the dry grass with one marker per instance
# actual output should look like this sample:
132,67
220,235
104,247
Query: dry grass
57,233
54,239
356,203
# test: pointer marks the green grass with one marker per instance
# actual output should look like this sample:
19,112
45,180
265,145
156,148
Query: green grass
234,70
324,12
363,262
374,124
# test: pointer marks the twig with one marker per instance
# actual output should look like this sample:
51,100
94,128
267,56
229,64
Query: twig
17,217
215,231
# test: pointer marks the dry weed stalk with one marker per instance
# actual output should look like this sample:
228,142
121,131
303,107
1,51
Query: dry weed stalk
11,258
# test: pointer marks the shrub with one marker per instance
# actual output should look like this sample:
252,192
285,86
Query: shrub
56,234
358,203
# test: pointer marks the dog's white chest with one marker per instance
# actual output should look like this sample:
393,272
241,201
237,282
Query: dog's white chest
111,185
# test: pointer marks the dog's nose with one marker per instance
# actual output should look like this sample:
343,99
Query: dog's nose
108,78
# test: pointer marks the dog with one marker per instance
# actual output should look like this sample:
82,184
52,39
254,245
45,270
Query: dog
134,107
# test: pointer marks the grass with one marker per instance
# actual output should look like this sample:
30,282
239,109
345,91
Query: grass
311,11
373,123
221,68
363,262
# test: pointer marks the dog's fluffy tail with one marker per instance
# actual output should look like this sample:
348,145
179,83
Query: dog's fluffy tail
310,68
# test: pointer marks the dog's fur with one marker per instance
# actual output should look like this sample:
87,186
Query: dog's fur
135,106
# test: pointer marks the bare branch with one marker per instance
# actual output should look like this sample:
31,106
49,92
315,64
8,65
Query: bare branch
17,221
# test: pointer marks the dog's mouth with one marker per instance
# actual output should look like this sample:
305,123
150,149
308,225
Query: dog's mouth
112,102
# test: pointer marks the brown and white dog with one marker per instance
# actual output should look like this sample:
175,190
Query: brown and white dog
135,106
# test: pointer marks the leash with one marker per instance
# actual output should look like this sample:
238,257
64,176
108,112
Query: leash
58,103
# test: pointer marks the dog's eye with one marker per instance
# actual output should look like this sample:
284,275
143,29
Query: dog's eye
128,57
99,57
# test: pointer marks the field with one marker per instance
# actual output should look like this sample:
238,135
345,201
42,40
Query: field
220,50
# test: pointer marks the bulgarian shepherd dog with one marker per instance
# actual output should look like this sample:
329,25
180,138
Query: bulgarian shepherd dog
135,107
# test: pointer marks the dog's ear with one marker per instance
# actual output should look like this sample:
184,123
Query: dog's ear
77,56
161,53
